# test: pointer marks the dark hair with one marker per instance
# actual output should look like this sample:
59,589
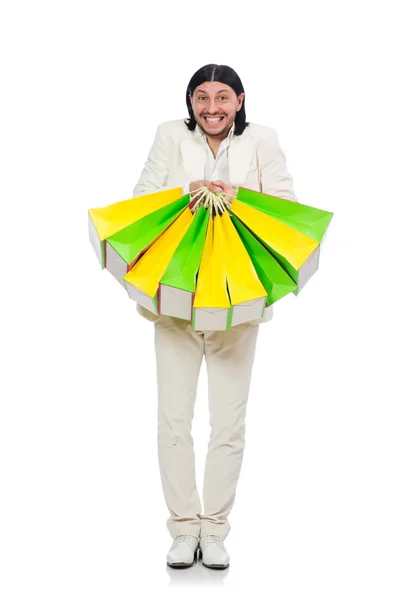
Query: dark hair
223,74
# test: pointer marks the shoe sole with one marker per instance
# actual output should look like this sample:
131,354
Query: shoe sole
216,566
182,565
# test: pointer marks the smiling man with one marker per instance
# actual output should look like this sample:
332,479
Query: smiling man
214,106
216,147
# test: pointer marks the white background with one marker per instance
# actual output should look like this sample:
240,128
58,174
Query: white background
84,86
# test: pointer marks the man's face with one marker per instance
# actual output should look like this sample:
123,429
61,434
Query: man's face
215,99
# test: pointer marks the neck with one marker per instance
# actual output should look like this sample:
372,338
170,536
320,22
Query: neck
215,140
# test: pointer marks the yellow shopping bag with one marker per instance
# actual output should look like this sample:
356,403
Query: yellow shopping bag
142,281
108,220
211,303
297,252
247,294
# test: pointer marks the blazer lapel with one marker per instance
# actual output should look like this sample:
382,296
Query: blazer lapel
193,157
240,157
240,153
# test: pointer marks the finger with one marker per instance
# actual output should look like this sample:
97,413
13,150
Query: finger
219,183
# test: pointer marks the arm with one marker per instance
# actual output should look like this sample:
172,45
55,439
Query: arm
275,178
155,171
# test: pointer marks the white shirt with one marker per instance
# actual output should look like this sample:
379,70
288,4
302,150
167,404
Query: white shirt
214,168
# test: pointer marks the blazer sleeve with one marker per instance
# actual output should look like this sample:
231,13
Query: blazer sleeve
157,166
155,171
275,178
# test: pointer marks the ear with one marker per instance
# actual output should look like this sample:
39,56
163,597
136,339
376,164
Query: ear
240,99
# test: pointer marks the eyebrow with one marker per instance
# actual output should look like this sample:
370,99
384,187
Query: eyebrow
204,92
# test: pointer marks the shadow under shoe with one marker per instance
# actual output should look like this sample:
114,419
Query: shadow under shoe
183,551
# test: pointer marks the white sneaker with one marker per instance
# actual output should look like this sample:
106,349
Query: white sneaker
214,552
183,551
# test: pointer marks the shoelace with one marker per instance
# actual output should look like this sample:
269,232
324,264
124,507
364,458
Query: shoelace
181,538
214,538
209,538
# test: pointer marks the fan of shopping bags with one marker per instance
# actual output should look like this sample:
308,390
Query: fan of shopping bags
215,261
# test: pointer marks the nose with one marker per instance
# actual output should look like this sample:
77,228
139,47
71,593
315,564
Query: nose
212,106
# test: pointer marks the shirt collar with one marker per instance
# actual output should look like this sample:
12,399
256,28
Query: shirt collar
201,133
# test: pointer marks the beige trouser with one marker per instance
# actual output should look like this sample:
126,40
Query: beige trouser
229,357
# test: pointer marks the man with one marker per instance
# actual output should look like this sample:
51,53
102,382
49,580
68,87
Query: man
219,149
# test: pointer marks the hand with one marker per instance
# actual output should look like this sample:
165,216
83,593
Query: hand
214,186
226,189
195,185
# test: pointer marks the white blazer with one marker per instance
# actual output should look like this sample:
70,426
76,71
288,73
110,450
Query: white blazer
177,157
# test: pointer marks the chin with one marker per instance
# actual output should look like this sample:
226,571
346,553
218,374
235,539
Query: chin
211,131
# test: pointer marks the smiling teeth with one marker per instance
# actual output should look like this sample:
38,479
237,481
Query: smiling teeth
213,120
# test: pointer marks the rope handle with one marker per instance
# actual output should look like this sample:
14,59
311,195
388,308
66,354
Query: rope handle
216,201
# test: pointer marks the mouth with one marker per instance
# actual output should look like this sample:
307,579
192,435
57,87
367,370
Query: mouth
212,121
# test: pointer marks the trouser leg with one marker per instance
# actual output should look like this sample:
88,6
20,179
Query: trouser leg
179,354
229,357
